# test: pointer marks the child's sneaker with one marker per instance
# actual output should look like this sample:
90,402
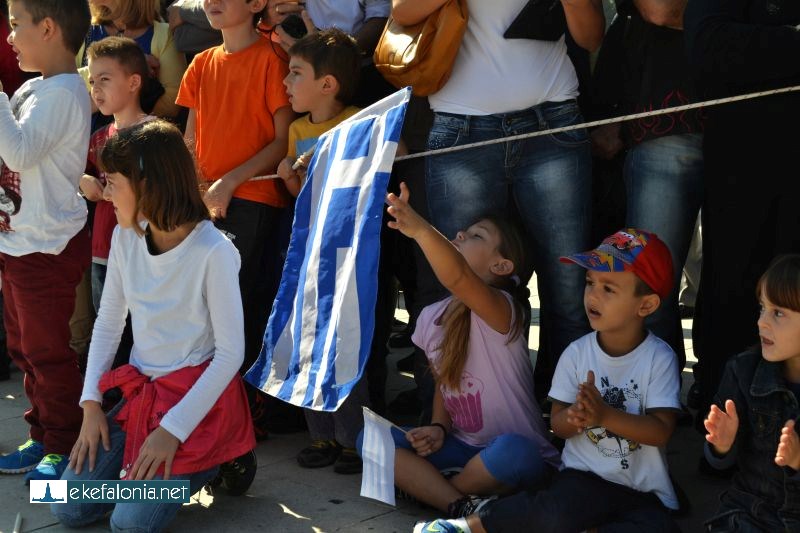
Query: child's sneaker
440,525
320,453
25,459
348,462
236,476
463,507
49,468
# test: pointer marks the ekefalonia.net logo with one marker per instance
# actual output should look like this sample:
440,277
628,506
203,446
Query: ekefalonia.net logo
48,491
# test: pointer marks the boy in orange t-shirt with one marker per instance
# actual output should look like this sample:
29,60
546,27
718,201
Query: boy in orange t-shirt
239,116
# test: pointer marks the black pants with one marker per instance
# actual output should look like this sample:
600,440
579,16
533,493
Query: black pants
250,225
750,216
577,501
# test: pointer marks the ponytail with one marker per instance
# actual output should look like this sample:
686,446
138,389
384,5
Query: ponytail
455,345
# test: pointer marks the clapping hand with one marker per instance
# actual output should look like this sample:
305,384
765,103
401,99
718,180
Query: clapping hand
788,453
722,427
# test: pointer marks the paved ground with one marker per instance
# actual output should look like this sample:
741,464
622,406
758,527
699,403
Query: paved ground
287,498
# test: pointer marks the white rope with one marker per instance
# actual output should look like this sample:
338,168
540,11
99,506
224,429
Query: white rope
593,124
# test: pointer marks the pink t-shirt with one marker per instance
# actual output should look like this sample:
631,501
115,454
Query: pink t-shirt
496,395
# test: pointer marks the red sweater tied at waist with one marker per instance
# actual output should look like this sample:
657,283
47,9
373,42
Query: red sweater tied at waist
225,433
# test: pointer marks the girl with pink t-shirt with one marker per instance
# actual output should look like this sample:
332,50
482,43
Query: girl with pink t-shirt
486,426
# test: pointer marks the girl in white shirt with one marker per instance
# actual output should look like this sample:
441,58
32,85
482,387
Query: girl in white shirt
178,276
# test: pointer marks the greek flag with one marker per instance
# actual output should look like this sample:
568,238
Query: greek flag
377,451
319,333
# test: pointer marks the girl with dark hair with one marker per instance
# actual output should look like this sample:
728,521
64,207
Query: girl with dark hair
752,419
185,410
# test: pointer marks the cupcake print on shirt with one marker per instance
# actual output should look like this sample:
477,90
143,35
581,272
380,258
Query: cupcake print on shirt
465,407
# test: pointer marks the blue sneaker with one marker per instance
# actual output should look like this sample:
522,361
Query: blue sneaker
49,468
440,525
24,459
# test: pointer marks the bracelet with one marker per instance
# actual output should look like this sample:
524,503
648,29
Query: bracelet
437,424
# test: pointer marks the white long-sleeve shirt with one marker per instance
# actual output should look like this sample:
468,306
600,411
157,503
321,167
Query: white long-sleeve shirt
44,139
185,308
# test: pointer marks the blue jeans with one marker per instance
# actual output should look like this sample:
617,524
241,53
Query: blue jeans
511,459
664,185
133,517
98,281
547,179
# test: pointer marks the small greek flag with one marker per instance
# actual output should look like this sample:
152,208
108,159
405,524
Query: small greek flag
319,334
377,452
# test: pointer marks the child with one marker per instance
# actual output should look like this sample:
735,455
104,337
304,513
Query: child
615,402
753,422
44,244
238,124
323,76
141,21
485,418
117,74
187,329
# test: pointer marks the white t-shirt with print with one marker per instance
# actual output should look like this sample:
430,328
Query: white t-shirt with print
642,380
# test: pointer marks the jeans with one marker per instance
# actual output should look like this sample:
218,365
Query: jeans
134,517
511,459
664,185
548,180
98,282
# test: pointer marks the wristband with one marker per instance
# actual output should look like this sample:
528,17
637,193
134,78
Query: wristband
437,424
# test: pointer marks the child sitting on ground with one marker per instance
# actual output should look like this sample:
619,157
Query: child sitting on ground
615,400
485,418
323,76
185,410
44,244
752,422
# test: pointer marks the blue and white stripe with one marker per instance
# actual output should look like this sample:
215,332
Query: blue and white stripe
318,338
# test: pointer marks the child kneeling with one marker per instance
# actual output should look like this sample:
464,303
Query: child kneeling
184,410
485,417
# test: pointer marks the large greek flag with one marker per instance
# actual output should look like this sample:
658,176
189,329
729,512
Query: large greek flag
318,338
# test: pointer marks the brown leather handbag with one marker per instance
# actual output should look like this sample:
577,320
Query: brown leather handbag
422,55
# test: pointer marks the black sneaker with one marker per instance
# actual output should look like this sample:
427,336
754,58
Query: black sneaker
348,462
467,505
236,476
321,453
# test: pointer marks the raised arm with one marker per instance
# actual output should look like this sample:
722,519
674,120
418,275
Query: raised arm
449,265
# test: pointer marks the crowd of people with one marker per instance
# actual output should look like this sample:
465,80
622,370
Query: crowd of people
140,259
